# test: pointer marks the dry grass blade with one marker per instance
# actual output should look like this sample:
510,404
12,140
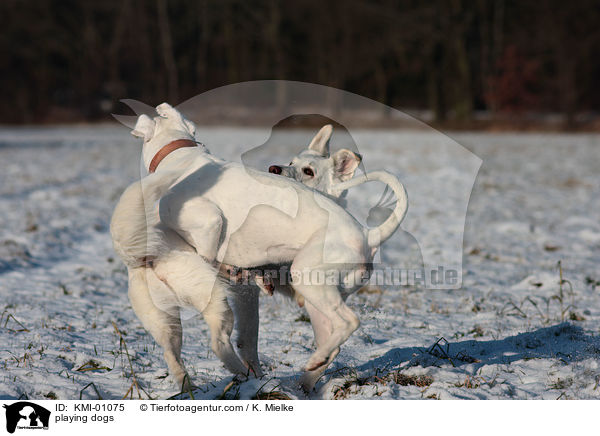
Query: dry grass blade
273,395
92,365
95,388
10,316
189,386
354,382
464,357
231,384
412,380
436,350
25,359
134,382
474,381
515,307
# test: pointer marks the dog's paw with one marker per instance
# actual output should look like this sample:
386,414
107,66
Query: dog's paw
256,371
308,382
315,362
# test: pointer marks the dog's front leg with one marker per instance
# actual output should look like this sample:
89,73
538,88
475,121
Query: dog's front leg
197,220
245,304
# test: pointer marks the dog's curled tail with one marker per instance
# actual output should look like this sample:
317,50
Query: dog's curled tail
137,237
377,235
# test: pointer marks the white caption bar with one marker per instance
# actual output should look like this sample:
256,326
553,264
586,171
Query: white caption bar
91,418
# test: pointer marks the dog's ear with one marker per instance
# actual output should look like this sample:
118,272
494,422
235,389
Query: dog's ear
320,143
345,163
144,128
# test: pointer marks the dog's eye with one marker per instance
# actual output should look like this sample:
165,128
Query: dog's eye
308,172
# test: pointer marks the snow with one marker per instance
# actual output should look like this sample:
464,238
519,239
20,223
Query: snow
511,332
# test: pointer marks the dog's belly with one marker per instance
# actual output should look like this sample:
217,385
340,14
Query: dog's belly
267,235
266,218
245,256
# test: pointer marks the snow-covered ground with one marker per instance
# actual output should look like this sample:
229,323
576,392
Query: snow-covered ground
510,332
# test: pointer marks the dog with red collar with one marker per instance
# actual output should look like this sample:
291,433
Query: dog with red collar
196,210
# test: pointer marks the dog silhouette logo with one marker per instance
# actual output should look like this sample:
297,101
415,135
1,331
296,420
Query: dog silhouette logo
26,415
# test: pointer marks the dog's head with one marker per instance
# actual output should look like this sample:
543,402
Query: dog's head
316,168
157,132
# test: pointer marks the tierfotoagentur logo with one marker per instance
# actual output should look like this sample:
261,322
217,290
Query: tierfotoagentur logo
438,173
25,415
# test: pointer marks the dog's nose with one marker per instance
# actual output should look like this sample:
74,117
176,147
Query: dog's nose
275,169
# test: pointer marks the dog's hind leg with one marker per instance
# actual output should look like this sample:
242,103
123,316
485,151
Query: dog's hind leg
245,309
219,317
329,302
312,278
343,321
322,329
164,326
321,325
196,284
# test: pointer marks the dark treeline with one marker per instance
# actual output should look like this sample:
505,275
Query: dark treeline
74,60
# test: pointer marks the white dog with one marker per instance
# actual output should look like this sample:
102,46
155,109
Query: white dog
326,172
215,211
316,168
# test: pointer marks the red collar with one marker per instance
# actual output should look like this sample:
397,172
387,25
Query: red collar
169,148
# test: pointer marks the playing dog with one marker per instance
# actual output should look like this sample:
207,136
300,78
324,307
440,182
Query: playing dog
216,211
317,168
